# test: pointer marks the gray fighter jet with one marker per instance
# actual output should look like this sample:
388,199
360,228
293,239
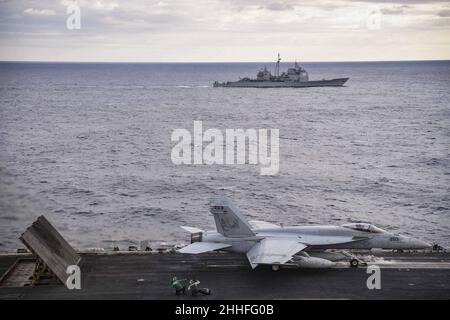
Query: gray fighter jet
303,246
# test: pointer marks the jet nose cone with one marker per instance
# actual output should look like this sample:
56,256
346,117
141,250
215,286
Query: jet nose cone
426,244
419,244
413,243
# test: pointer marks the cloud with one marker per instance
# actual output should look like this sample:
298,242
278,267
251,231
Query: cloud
279,6
220,29
426,2
40,12
444,13
395,10
101,5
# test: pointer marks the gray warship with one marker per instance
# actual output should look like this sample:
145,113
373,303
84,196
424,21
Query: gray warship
296,77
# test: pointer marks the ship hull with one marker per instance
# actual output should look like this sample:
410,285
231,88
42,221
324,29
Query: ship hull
283,84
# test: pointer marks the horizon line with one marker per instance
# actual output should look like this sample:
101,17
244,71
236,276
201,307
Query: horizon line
206,62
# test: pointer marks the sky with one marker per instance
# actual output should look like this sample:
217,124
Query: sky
225,30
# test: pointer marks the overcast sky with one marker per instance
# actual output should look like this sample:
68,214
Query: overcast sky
226,30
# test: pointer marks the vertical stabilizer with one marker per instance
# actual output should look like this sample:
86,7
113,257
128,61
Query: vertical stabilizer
229,221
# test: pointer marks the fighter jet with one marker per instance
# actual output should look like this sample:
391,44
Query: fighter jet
266,243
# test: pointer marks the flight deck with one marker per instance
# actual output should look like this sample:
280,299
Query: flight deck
49,262
145,275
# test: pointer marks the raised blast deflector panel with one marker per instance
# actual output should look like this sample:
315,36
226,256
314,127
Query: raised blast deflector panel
46,242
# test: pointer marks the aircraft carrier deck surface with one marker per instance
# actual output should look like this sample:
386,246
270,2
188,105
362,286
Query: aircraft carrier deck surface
115,276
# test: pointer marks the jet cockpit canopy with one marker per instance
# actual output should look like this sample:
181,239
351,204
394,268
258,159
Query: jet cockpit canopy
365,227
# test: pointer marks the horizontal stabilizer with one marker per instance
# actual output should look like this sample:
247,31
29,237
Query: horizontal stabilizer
192,229
201,247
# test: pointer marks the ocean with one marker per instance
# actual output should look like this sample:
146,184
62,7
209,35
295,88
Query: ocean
89,146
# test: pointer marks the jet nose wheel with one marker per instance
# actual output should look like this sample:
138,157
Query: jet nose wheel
275,267
354,263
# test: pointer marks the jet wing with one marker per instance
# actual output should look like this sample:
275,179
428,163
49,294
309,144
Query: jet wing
201,247
262,224
274,251
314,240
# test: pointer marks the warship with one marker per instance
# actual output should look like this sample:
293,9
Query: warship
296,77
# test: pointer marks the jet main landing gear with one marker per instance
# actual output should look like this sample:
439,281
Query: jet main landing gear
354,263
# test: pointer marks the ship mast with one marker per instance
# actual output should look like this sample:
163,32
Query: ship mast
277,68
